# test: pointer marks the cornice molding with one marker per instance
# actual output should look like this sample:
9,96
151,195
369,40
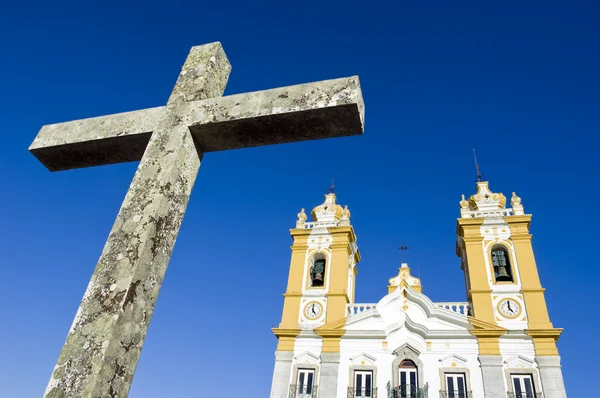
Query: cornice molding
279,332
545,333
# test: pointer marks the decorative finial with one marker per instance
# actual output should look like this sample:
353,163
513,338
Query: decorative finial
345,220
464,208
346,212
480,177
331,188
301,219
515,200
463,203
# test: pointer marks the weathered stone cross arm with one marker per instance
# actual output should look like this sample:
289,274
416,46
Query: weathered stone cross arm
107,335
325,109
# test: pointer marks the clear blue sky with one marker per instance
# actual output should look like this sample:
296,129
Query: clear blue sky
518,82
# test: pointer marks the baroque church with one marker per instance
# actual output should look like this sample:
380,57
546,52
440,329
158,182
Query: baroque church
499,343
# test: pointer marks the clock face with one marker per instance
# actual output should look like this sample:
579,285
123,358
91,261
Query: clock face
509,308
313,310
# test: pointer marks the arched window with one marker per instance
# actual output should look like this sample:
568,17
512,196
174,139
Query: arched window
407,379
317,269
501,263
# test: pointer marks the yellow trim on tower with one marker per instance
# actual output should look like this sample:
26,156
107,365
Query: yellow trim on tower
332,335
337,294
291,303
286,338
544,341
533,293
488,336
470,249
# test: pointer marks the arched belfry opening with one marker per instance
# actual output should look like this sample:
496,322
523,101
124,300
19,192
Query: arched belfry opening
501,264
317,269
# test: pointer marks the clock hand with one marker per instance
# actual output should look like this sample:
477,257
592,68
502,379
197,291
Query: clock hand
508,304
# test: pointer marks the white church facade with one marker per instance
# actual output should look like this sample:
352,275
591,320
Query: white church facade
499,343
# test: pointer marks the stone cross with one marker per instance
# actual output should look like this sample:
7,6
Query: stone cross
105,340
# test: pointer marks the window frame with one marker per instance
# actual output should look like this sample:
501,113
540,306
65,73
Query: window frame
306,371
522,376
533,372
362,368
455,376
455,370
364,373
414,369
297,367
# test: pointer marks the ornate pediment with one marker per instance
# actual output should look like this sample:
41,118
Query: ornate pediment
453,360
519,362
307,357
407,351
407,309
363,359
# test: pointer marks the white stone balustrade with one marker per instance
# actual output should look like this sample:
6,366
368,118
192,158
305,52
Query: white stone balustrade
487,213
319,224
355,309
459,308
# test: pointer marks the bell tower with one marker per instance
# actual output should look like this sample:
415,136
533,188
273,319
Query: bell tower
501,276
323,268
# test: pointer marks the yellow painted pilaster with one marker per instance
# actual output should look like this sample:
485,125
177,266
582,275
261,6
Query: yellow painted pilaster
286,338
533,293
291,303
472,253
544,341
337,295
332,333
488,336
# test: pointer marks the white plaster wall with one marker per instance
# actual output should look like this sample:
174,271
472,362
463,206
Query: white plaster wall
431,357
308,341
518,344
518,352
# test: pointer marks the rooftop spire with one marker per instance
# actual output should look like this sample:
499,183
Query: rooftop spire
480,177
331,188
404,248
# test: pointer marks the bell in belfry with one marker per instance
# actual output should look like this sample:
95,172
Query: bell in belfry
317,271
503,275
500,263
